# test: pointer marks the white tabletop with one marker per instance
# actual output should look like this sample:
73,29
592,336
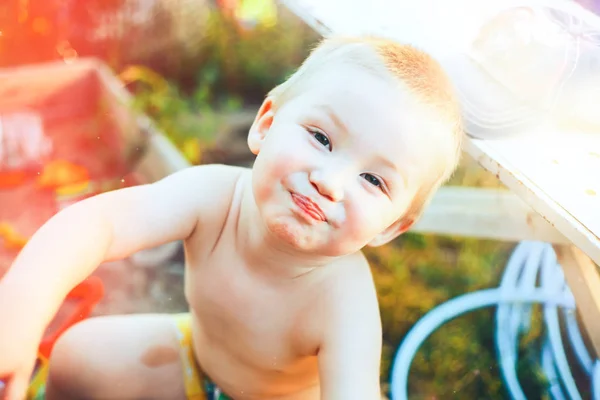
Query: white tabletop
556,173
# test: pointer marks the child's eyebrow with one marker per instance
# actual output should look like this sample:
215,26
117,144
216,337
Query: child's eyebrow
393,167
328,111
387,162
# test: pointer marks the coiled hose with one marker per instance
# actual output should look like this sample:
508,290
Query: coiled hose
532,276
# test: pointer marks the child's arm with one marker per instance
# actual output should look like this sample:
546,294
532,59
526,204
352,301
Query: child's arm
350,351
113,225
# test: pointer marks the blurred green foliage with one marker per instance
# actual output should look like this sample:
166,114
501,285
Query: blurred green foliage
191,93
196,46
190,121
249,63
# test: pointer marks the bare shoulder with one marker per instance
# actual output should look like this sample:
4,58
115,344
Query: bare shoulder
211,187
206,181
223,176
351,293
349,274
344,308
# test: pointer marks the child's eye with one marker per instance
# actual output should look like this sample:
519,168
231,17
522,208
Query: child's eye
320,137
373,180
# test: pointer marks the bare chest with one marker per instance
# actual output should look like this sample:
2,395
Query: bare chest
259,323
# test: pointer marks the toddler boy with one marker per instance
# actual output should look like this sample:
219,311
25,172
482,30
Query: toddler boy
282,303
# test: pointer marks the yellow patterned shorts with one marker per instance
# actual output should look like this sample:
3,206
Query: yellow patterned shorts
197,386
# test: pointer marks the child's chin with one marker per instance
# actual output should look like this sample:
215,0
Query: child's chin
304,240
295,235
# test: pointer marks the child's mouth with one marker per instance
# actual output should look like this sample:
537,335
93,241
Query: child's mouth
309,207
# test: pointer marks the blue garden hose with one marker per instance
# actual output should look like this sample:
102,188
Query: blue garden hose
529,263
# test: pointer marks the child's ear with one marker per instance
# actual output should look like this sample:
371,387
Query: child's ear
261,125
392,232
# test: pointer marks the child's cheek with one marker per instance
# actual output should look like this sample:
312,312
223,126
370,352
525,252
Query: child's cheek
371,220
290,154
358,222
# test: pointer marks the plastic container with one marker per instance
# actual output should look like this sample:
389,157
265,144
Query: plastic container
66,132
518,65
530,65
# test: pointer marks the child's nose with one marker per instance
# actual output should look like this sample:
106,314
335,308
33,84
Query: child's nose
329,183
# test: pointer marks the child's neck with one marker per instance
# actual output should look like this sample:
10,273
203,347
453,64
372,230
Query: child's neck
266,254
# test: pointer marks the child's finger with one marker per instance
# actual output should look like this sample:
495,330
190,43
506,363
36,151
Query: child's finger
17,387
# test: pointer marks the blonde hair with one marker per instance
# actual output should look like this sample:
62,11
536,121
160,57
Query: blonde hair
422,75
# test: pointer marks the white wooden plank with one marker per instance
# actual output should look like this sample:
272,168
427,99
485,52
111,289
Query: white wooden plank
485,213
557,191
583,279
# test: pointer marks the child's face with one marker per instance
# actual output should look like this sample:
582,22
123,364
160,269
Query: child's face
337,164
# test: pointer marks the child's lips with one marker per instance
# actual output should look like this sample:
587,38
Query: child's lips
309,206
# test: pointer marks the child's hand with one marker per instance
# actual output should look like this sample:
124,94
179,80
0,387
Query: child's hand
20,336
